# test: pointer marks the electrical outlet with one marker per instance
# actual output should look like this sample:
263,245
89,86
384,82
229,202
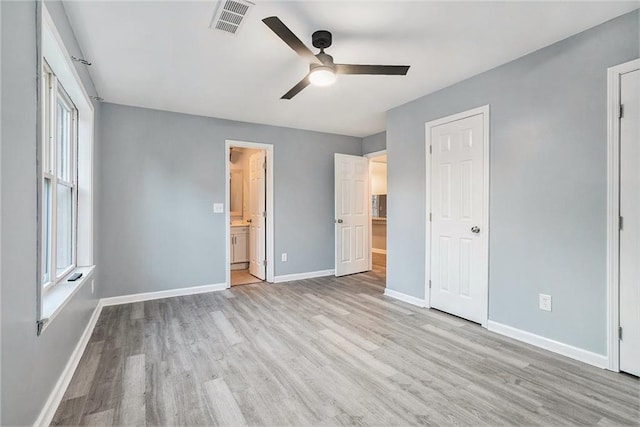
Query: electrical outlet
284,257
545,302
93,289
218,208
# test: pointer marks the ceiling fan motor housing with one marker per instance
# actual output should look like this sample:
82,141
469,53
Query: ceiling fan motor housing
321,39
327,60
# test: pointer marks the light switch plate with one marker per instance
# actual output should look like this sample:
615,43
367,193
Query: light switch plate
218,207
284,257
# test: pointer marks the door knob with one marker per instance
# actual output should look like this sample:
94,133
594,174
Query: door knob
475,229
339,221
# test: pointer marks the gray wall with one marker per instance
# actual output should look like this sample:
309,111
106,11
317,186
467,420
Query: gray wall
161,173
31,365
373,143
548,183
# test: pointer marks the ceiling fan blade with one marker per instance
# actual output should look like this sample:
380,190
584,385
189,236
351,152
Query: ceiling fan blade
287,36
297,88
389,70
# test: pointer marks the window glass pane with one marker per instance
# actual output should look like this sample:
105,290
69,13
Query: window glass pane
59,137
63,137
46,232
49,155
64,231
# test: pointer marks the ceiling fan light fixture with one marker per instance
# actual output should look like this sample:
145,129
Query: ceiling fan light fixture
322,75
322,70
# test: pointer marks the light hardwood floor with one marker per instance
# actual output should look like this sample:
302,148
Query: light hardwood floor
325,352
243,277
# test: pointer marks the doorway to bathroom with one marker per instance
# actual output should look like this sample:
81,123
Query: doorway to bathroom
378,185
249,216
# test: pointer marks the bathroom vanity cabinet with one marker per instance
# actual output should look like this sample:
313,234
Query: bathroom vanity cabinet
239,244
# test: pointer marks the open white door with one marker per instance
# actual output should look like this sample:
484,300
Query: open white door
630,227
459,259
257,226
352,214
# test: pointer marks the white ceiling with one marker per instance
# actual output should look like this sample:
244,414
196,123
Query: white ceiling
162,55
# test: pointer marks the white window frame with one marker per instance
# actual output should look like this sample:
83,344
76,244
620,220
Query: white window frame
52,51
53,90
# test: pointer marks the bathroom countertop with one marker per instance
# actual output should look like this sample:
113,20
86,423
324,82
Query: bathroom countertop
239,224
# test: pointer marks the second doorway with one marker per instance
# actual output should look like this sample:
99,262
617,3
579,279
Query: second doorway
247,212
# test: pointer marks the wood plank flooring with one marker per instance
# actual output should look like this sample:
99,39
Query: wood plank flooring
326,352
243,277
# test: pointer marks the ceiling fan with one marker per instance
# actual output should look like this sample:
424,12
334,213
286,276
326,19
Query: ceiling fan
322,70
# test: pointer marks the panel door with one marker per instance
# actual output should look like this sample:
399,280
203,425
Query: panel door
257,206
630,233
351,214
457,255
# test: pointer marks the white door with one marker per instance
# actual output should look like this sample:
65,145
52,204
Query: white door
257,205
630,232
352,207
458,256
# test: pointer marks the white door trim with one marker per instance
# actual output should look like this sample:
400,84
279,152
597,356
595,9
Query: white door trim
371,250
613,209
376,153
484,110
270,212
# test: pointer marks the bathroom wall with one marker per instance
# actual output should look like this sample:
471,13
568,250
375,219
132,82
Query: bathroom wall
240,160
378,177
246,168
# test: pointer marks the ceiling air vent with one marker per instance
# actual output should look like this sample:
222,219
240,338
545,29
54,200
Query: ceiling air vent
230,14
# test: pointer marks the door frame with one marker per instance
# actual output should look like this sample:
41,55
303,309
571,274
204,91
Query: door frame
613,209
485,111
270,242
369,156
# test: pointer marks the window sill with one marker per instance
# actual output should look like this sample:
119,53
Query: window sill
55,300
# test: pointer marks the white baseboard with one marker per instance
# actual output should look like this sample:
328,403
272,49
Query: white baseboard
49,410
567,350
301,276
379,251
148,296
405,298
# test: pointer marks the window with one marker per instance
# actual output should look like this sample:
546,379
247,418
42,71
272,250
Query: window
59,181
65,178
